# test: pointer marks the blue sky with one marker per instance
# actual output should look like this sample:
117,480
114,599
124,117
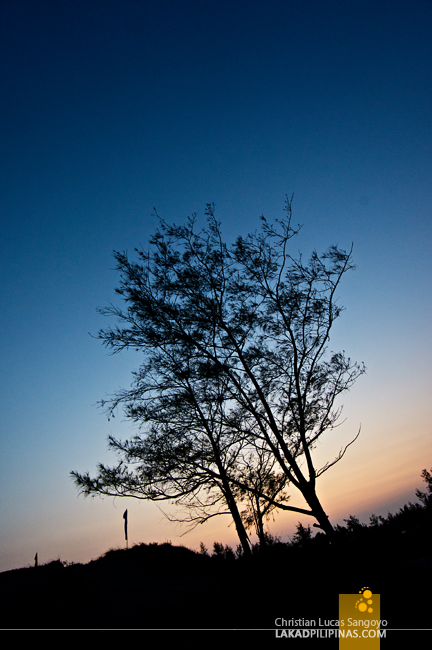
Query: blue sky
110,108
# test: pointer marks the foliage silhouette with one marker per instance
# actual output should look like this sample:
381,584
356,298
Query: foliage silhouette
237,384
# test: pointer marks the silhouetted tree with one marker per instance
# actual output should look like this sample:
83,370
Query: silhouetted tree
426,497
302,536
260,477
248,325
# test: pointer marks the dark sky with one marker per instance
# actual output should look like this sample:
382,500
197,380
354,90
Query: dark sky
110,108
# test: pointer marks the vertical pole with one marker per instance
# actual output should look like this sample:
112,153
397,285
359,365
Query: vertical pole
125,515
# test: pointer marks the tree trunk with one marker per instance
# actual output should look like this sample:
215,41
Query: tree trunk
318,511
241,531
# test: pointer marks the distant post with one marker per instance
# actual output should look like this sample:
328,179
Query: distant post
125,517
36,560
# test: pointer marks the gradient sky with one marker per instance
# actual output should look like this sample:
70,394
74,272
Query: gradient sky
112,107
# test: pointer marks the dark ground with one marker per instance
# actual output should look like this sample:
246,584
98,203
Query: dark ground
159,586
